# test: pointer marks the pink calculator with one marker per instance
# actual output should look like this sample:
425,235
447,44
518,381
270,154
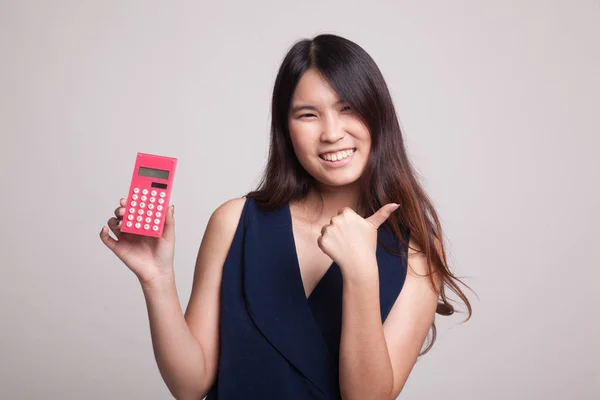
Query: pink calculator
149,193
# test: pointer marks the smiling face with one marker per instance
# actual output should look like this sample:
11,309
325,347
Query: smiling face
330,140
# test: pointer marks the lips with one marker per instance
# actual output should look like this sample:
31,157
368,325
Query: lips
339,154
341,163
322,155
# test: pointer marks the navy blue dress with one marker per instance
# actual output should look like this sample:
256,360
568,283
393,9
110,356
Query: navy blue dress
274,342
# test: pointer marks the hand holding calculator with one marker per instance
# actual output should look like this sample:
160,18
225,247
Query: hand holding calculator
144,223
149,195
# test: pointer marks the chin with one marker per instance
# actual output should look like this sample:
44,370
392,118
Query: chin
327,179
334,177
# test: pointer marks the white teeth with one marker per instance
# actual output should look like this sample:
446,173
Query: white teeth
338,156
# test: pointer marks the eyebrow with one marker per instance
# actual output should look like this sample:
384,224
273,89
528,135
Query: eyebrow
299,107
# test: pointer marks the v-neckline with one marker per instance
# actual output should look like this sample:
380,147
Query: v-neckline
293,239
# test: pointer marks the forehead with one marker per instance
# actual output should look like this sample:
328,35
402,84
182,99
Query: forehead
314,89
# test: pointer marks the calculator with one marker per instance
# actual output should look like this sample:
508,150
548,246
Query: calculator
149,193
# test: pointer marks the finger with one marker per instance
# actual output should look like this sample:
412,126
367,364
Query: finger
169,229
115,226
382,214
119,212
345,209
107,240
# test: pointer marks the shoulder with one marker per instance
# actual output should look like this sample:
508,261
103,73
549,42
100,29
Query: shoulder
227,215
220,230
229,211
419,268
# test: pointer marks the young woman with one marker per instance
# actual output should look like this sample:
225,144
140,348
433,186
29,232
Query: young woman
324,282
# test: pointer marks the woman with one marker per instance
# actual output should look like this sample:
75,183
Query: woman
325,281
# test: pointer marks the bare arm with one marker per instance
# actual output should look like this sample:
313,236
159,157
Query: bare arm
186,347
178,354
365,367
376,359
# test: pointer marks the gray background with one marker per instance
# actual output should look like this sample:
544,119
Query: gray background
499,103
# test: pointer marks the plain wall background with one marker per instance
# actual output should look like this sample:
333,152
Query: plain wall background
499,101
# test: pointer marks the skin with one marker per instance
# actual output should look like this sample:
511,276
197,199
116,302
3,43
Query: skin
375,358
331,126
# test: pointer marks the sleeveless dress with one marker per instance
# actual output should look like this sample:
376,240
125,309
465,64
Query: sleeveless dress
274,342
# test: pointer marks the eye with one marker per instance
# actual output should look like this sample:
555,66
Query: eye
306,115
347,107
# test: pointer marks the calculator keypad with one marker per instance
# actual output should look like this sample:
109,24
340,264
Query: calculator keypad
145,211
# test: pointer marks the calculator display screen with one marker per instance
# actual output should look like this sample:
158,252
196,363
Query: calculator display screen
154,173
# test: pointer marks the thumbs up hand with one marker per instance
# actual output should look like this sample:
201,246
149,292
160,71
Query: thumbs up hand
351,241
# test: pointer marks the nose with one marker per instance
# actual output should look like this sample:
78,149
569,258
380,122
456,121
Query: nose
332,130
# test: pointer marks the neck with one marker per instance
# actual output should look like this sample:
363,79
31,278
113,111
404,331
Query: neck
334,199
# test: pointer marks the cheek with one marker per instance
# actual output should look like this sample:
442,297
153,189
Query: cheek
301,146
302,139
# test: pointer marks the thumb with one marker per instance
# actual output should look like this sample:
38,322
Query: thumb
107,240
382,214
169,229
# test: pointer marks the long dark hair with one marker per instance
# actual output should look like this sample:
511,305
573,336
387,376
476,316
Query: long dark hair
388,177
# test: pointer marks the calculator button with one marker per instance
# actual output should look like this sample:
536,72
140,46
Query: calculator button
130,217
153,193
134,196
158,214
129,223
161,201
157,221
137,225
139,218
159,207
144,198
142,205
152,199
140,211
155,228
150,206
131,210
136,190
148,219
162,194
133,204
149,213
145,191
146,227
